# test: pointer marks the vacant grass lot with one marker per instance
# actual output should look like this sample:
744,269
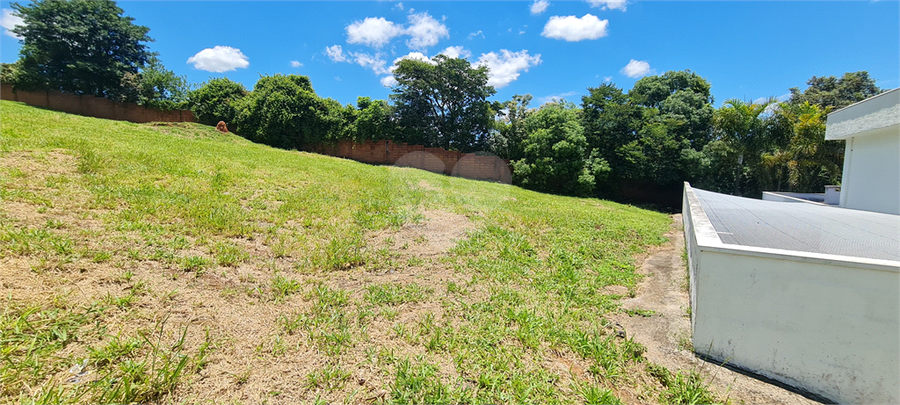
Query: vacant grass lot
172,263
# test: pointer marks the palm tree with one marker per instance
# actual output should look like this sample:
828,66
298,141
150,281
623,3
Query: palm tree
742,126
808,159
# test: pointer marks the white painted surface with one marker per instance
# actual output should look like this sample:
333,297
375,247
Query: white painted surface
793,197
832,195
871,176
859,119
825,323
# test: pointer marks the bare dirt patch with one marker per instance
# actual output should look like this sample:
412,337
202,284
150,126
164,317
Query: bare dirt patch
432,237
667,330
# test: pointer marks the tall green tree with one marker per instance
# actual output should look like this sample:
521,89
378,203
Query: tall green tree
683,99
742,126
808,163
610,122
508,141
556,155
830,91
155,87
81,47
374,120
443,103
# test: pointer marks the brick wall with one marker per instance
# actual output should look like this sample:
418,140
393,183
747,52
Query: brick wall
437,160
93,106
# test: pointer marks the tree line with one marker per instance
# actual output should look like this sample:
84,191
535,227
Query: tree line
661,132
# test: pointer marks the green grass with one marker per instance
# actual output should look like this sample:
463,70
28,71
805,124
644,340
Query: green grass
288,233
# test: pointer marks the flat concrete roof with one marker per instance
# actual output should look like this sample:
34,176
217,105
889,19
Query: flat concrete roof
802,227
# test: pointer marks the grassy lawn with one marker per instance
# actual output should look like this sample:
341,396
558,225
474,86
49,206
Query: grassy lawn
172,263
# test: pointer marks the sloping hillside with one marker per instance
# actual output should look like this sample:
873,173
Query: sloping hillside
170,263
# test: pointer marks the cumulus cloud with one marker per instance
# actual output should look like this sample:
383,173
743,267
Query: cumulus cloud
574,29
505,66
399,6
539,6
374,62
373,32
296,63
10,21
475,34
608,4
636,68
425,31
335,53
456,52
607,79
219,59
388,81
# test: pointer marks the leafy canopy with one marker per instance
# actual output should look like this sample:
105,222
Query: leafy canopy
443,103
829,91
216,101
81,47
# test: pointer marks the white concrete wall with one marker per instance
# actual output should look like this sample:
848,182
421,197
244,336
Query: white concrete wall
871,176
827,324
808,198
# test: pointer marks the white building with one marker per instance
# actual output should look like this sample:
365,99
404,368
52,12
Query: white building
871,176
803,292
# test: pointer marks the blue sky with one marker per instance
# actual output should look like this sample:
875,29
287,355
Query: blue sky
745,49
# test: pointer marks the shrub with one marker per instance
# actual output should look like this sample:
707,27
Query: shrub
215,101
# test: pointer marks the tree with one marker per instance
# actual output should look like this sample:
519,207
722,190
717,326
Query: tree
682,96
216,100
829,91
610,122
81,47
742,126
157,87
443,103
809,161
556,157
508,141
374,120
284,111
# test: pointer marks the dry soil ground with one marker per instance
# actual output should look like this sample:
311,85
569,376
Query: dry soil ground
666,332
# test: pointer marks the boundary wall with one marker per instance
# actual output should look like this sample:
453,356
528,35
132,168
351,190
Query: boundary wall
436,160
93,106
826,324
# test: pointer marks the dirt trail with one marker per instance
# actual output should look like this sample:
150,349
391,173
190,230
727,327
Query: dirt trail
666,331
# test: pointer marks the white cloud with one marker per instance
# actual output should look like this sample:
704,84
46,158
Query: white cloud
573,29
475,34
219,59
296,63
399,6
388,81
607,79
505,67
338,78
335,53
636,68
373,32
374,62
608,4
456,52
425,31
539,6
10,21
